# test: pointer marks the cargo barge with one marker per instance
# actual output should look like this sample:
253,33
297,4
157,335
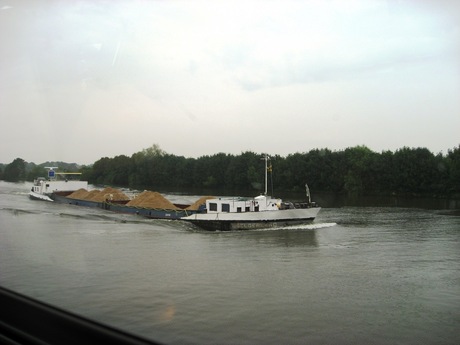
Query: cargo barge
209,213
176,211
66,188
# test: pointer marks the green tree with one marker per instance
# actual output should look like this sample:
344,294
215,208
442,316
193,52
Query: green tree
149,168
358,178
15,171
416,170
236,174
86,172
153,151
2,167
211,171
453,163
356,170
119,171
36,171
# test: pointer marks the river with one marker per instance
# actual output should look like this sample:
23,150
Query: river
356,275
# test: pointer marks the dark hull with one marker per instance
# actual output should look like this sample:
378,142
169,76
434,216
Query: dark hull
221,225
120,208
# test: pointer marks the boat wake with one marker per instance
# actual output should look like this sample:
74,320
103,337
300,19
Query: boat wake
18,211
314,226
95,217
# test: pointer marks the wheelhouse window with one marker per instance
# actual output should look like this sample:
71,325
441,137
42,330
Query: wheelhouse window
225,207
212,206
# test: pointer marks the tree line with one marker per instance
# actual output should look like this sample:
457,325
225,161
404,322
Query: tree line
354,171
20,170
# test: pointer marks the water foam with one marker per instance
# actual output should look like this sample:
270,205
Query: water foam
309,226
314,226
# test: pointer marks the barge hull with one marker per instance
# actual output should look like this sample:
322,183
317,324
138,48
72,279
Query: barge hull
120,208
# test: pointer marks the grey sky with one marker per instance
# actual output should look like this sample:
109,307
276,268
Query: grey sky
88,79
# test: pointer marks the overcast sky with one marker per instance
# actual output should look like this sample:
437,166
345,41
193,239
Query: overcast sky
82,80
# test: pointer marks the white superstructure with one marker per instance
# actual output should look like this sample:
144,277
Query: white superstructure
56,183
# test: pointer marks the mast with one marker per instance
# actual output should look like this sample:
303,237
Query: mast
266,158
307,190
266,174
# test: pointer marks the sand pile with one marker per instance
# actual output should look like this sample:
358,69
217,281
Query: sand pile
146,199
150,199
92,194
200,201
108,193
120,196
80,194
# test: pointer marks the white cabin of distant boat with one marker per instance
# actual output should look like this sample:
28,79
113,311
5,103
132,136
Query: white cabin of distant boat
56,182
44,186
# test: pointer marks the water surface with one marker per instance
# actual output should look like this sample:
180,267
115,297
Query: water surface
380,275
